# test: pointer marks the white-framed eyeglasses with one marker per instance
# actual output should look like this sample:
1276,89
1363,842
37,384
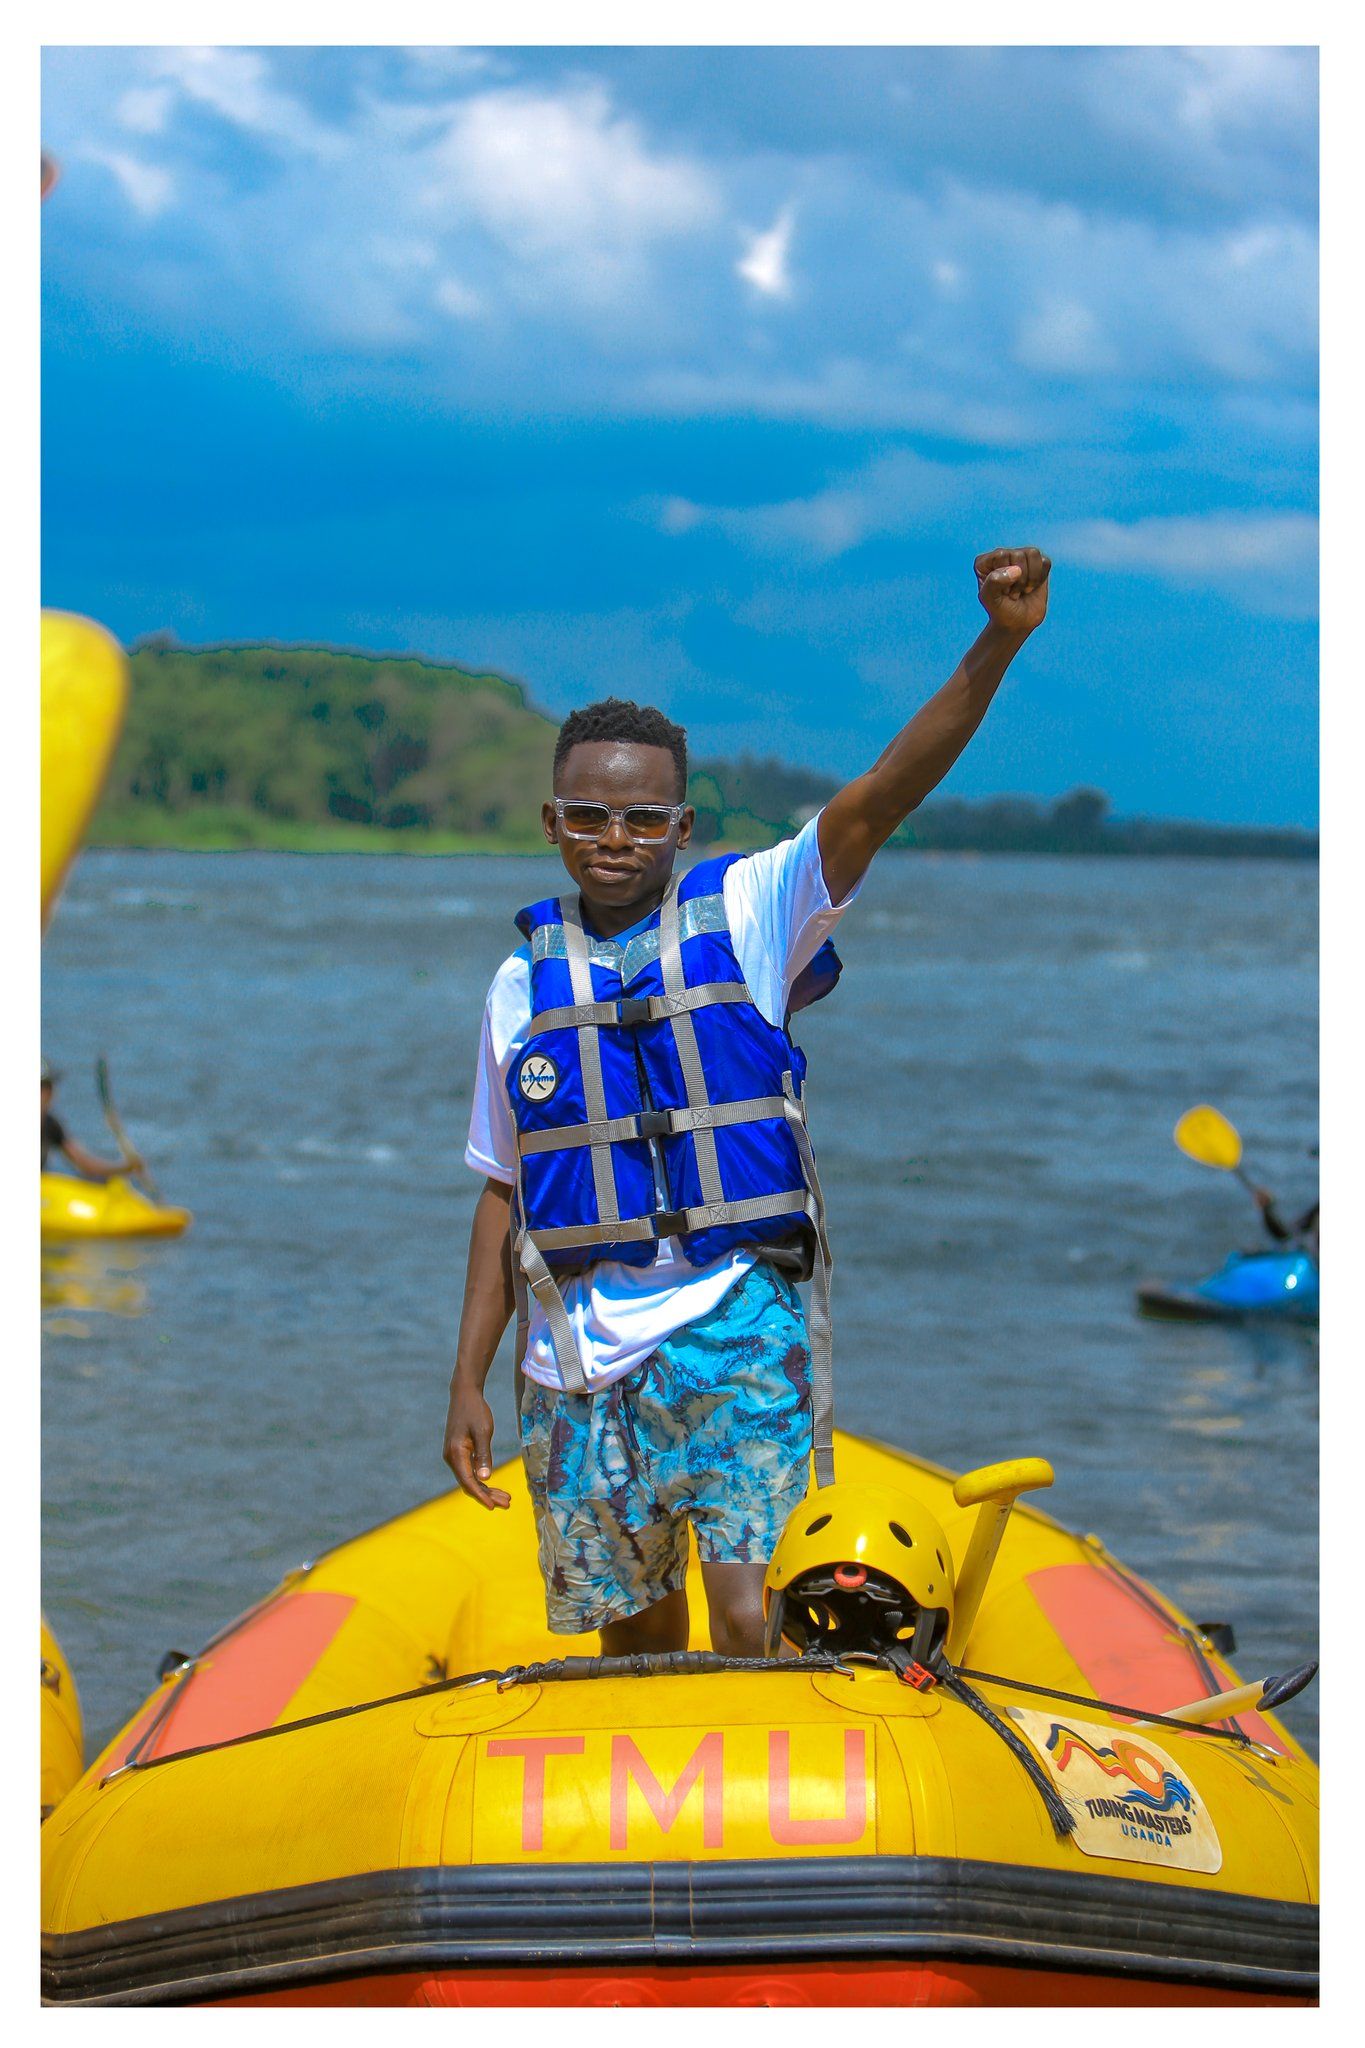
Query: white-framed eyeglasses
641,822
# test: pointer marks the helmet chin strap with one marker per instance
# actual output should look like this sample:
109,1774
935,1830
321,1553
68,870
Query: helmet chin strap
883,1618
922,1643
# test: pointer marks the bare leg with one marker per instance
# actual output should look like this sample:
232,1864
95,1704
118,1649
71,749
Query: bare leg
660,1627
734,1596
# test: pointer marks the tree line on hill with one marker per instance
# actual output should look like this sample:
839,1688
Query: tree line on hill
268,741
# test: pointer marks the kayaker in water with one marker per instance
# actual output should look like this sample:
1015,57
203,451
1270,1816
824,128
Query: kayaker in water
56,1138
638,1119
1302,1232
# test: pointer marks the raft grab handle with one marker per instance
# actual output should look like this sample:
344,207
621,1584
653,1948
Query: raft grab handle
992,1490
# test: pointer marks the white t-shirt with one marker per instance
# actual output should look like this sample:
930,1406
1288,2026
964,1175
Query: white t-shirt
780,915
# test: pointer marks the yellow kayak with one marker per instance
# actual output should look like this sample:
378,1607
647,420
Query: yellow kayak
112,1208
372,1790
60,1731
84,692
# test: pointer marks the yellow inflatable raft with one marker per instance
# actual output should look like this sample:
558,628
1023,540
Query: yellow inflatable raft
84,691
61,1736
112,1208
368,1791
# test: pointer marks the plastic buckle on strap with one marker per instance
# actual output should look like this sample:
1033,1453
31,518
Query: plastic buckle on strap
920,1676
655,1123
633,1010
669,1222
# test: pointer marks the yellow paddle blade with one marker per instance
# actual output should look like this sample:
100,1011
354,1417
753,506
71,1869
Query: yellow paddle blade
1206,1135
84,689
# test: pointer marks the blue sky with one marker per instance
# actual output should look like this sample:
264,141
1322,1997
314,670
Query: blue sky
702,374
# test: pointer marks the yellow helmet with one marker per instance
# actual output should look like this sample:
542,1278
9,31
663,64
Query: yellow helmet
863,1569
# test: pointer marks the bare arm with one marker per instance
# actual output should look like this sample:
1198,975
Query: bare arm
488,1305
92,1168
1012,585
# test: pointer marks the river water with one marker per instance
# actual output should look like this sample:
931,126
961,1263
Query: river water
291,1040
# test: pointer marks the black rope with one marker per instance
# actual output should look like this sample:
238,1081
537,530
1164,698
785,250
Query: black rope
1079,1699
657,1664
1059,1813
666,1663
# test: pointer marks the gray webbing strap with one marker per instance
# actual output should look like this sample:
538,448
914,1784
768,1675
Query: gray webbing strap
713,1116
821,1321
589,1057
522,1341
645,1229
753,1209
630,1230
659,1007
556,1315
679,1001
612,1132
685,1039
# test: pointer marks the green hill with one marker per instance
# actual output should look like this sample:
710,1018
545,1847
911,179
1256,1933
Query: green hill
236,740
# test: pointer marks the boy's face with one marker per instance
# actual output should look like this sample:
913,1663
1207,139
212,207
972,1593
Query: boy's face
615,870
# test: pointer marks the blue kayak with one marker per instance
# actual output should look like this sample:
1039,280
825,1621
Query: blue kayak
1270,1283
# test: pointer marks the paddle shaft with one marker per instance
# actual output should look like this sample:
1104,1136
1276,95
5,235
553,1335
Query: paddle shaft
1220,1706
115,1123
1266,1693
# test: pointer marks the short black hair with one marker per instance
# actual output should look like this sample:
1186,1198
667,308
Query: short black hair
620,718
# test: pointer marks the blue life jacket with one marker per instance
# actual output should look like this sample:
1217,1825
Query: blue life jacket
652,1097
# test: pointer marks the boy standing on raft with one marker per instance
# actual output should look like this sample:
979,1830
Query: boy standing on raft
638,1116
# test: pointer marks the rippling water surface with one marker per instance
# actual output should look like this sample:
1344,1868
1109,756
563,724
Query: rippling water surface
291,1040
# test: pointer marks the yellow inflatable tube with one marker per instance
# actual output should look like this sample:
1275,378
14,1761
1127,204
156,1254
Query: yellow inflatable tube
61,1734
84,693
313,1811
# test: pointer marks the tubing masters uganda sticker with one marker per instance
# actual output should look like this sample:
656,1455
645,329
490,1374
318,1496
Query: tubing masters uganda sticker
538,1077
1130,1799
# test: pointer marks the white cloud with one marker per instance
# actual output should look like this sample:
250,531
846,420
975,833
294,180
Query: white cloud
404,252
889,495
764,263
144,108
1063,337
563,172
448,60
460,300
680,515
1268,560
148,188
1231,125
237,85
845,392
1221,91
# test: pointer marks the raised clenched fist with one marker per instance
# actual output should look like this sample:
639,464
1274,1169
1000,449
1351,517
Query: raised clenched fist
1012,585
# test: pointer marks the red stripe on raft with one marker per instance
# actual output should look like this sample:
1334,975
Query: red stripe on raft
1124,1650
914,1985
249,1679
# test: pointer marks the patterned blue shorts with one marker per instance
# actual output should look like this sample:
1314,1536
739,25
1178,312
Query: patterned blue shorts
713,1429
